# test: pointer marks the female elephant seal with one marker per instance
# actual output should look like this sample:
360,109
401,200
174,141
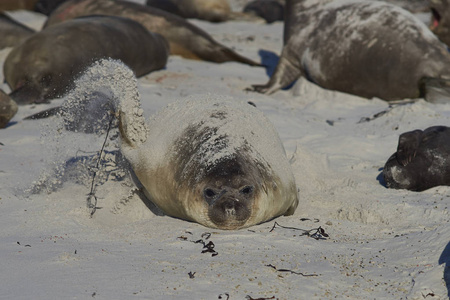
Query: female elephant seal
365,48
185,39
422,160
45,65
212,160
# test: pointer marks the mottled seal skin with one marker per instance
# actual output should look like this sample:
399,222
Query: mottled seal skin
269,10
365,48
440,21
209,10
8,108
44,66
184,38
12,32
422,160
214,161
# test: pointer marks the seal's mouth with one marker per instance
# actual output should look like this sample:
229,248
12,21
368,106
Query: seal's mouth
435,18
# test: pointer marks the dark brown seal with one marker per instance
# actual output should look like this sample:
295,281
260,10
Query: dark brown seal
184,38
422,160
269,10
209,10
44,66
12,32
365,48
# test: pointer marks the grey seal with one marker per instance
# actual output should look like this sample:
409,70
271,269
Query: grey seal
366,48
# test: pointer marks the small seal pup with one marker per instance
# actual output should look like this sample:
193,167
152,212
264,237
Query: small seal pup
185,39
12,32
422,160
212,160
365,48
208,10
44,66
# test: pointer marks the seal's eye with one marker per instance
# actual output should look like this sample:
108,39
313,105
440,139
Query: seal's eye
209,193
246,190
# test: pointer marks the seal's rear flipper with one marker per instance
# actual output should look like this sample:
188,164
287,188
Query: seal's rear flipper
285,73
436,90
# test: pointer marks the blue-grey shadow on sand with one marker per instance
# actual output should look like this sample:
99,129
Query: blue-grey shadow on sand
445,259
380,178
270,60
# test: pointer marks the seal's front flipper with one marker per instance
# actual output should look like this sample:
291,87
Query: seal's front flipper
408,143
436,90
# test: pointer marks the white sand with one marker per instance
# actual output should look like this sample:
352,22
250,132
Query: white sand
383,244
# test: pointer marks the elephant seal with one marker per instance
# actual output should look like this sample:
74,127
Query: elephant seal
184,38
212,160
44,66
208,10
365,48
12,32
440,19
422,160
269,10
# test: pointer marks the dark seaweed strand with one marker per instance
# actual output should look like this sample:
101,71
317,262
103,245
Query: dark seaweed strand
93,206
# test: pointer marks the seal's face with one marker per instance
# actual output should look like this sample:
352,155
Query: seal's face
229,194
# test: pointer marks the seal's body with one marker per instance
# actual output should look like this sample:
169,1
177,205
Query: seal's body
215,161
45,65
365,48
422,160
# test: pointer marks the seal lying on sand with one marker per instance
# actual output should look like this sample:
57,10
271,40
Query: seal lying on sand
269,10
45,65
422,160
365,48
209,10
12,32
184,38
207,159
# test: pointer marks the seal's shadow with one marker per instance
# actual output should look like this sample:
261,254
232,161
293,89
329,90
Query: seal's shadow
269,60
445,259
380,178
